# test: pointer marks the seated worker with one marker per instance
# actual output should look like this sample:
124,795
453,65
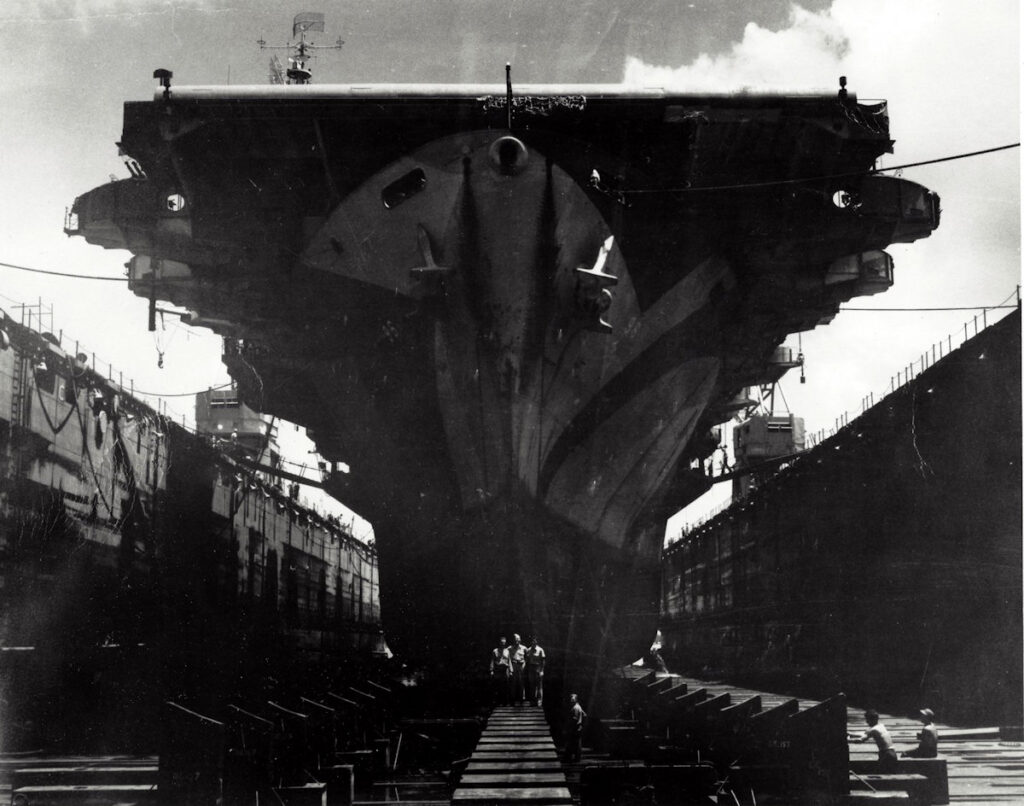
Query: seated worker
928,738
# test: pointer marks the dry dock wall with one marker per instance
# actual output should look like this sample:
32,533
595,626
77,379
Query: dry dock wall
139,562
885,562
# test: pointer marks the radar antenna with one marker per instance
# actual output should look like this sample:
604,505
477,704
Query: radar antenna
302,50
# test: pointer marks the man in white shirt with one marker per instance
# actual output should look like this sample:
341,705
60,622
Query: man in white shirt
928,738
517,654
501,672
535,672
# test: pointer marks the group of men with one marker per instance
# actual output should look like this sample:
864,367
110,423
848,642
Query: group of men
928,738
517,672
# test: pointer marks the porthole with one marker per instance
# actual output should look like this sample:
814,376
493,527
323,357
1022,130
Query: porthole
842,199
403,188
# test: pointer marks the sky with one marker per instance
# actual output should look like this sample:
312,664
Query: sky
949,70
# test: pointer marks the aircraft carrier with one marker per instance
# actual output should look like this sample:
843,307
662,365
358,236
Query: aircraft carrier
511,315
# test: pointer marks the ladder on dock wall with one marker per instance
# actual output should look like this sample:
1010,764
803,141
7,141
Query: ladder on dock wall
19,378
514,762
13,461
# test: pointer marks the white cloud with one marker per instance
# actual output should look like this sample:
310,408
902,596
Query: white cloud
950,72
86,13
805,56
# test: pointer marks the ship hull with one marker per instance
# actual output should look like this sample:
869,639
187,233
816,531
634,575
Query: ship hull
509,323
508,569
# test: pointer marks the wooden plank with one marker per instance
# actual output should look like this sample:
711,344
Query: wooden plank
662,684
506,738
534,794
516,710
516,724
711,706
140,770
510,726
744,709
45,776
514,739
967,734
531,725
692,698
92,789
476,767
503,779
895,780
675,690
515,749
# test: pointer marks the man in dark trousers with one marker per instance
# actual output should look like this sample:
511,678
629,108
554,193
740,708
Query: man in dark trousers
880,735
517,656
501,672
928,738
574,732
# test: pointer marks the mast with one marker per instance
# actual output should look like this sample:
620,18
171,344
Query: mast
302,50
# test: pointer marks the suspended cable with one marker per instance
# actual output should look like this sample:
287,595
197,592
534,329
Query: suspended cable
64,273
965,155
184,394
904,310
74,276
777,182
